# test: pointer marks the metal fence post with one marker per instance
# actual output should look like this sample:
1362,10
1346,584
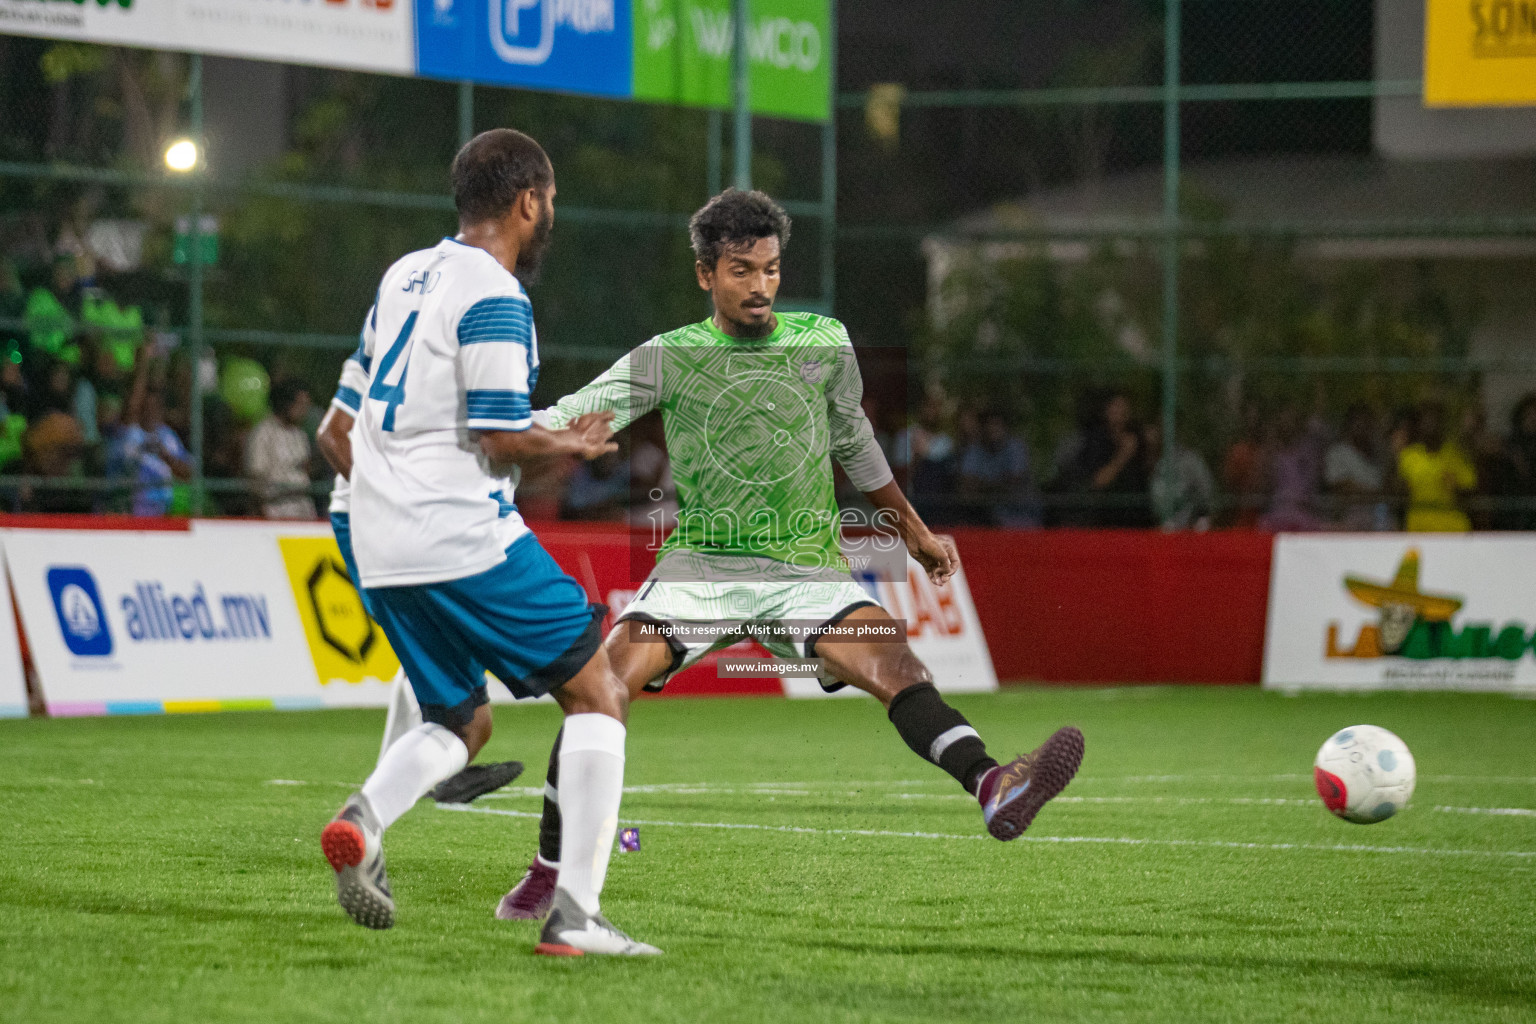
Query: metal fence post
466,112
741,94
829,171
714,172
195,286
1171,240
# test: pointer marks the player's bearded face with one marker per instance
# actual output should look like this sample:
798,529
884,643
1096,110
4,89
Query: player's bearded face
744,284
531,257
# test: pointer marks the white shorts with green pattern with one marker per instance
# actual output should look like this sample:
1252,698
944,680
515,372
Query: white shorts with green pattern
702,603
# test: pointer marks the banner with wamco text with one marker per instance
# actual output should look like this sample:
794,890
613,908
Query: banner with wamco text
1402,612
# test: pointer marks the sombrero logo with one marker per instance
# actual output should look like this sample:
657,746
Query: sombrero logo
1419,624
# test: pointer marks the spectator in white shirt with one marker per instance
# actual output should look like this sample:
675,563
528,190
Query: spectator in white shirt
1354,477
277,455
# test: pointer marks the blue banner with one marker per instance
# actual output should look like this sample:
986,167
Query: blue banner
580,46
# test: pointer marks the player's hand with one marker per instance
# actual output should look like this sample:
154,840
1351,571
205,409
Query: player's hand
937,556
594,433
588,420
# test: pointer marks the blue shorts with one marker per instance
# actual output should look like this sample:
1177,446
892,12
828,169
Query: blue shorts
341,526
524,620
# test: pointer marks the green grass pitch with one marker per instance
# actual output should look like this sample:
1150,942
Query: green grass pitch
154,869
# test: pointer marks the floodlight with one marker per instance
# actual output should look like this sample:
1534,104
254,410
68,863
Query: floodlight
182,155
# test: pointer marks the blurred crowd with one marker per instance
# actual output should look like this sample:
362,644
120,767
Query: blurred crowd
1417,468
95,416
89,393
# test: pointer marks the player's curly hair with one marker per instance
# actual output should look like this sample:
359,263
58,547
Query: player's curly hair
491,171
734,220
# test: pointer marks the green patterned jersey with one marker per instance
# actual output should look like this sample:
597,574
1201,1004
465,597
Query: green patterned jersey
751,428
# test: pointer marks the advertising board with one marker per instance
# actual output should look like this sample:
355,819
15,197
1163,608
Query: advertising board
365,35
125,623
580,46
353,662
942,629
241,615
1402,612
1480,53
683,48
665,51
13,685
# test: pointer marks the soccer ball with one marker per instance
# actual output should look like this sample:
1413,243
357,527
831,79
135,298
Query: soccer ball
1364,774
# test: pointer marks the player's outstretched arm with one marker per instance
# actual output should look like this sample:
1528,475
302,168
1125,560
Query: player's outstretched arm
588,436
630,387
935,554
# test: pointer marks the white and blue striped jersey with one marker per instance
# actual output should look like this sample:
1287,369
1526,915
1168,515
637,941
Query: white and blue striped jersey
448,350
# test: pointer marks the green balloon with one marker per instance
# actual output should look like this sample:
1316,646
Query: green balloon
243,384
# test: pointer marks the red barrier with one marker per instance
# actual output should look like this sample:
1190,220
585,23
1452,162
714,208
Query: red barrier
81,521
1068,606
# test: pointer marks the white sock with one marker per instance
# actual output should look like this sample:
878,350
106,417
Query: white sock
591,785
404,713
415,763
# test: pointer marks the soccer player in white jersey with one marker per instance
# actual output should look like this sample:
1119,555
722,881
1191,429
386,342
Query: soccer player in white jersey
756,405
403,714
457,581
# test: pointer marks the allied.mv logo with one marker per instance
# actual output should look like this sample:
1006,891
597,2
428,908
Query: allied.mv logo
82,619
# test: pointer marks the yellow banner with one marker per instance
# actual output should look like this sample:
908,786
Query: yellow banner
346,645
1480,53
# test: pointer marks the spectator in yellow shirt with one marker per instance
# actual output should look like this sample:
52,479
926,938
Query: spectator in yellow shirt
1436,473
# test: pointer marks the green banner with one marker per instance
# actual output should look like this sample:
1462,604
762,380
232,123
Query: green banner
683,55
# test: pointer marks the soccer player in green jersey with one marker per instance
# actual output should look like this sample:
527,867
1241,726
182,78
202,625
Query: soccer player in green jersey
755,405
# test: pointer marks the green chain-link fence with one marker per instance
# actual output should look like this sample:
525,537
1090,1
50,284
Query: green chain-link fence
1239,213
1235,211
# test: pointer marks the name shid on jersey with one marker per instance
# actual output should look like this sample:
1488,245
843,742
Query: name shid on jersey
750,425
448,349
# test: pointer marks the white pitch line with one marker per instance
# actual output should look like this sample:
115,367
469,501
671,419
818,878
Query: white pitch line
1092,840
1514,812
1524,780
856,785
512,792
773,790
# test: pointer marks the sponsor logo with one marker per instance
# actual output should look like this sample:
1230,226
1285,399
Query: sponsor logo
1420,625
82,619
1503,28
780,42
152,614
343,622
927,610
344,642
523,31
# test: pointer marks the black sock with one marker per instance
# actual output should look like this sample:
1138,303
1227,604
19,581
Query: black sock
928,725
549,825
